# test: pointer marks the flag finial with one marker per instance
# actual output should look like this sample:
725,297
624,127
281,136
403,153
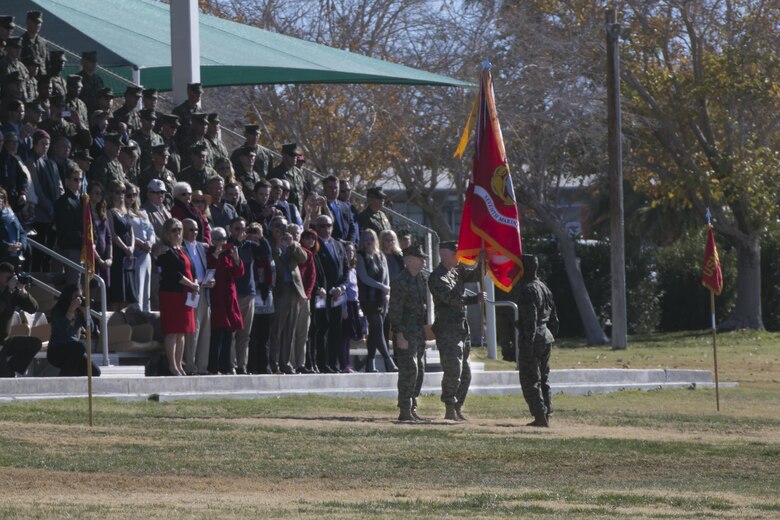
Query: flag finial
486,65
709,217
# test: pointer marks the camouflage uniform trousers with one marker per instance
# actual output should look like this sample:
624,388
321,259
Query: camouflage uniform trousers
454,356
411,369
534,374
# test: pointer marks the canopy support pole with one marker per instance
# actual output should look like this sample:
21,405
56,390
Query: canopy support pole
185,47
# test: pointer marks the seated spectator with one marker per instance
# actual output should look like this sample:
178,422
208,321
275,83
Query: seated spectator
17,351
374,291
225,310
183,208
13,237
176,280
66,349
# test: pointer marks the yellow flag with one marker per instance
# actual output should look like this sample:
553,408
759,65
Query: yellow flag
464,139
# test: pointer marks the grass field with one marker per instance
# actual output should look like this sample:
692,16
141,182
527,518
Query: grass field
665,454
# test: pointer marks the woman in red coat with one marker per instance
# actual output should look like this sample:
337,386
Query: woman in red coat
225,311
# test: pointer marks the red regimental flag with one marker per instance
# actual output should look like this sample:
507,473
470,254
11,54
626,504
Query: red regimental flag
490,212
88,247
711,273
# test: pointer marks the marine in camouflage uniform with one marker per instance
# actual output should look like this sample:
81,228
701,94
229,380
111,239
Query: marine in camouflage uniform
407,316
263,159
106,167
287,170
447,286
35,45
373,217
91,83
538,323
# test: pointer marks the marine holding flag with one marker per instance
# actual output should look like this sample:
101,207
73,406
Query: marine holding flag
490,215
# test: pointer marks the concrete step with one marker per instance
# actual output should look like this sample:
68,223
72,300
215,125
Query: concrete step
122,385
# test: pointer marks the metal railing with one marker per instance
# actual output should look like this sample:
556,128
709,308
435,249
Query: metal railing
102,316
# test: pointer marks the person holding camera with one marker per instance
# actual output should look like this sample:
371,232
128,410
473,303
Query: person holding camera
66,349
16,352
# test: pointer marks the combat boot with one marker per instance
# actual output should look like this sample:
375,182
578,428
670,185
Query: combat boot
417,417
406,416
459,412
449,414
540,421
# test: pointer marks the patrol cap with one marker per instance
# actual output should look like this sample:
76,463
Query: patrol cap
14,43
199,117
251,129
195,87
113,137
451,245
83,155
132,90
213,118
36,16
415,250
89,56
198,148
148,114
376,192
7,22
291,149
171,120
57,55
130,147
246,150
105,92
156,186
150,93
160,149
73,80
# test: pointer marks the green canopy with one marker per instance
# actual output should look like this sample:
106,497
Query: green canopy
135,34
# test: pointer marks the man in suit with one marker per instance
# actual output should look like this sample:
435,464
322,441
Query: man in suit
333,259
344,226
196,346
287,293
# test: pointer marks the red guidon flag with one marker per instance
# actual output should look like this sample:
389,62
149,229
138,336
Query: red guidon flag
490,215
711,273
88,247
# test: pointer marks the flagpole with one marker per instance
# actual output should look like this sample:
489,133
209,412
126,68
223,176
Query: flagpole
88,319
483,305
715,349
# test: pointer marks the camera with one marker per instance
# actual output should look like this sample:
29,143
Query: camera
24,278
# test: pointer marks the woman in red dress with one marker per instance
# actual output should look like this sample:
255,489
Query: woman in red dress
176,281
225,311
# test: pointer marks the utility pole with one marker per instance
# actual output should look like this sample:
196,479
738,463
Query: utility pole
615,137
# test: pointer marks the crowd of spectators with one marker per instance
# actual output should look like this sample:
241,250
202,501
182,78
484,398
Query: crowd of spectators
252,266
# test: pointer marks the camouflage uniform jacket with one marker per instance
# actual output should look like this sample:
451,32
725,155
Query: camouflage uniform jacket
538,319
150,174
77,107
407,309
145,144
378,221
59,86
298,185
247,180
447,288
129,116
174,161
217,148
105,170
90,84
263,160
7,66
36,46
197,179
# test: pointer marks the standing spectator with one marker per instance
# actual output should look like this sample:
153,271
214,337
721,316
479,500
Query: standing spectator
345,190
222,212
90,81
101,232
248,251
290,210
314,206
374,290
66,349
48,187
16,352
123,290
312,273
68,219
264,301
298,355
287,170
197,344
155,206
176,280
263,162
262,212
225,311
351,322
334,265
288,291
234,198
392,251
145,238
13,237
344,227
373,217
183,208
32,42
